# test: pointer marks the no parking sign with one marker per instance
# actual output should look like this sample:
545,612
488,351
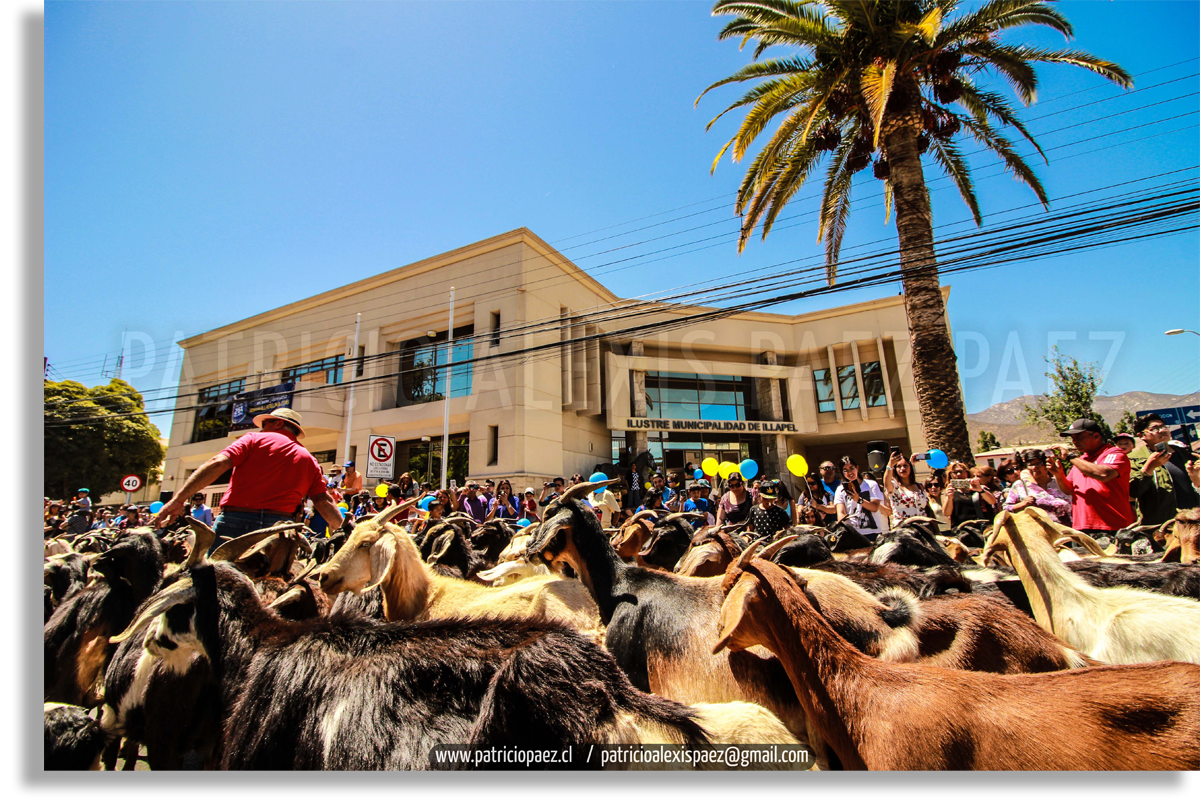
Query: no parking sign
381,457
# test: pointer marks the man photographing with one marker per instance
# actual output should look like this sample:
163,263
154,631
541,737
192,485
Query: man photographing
1098,483
272,475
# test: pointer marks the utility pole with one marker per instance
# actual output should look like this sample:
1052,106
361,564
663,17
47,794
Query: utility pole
446,413
350,399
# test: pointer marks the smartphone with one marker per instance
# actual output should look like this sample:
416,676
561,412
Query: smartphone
960,483
1161,447
454,484
919,456
895,450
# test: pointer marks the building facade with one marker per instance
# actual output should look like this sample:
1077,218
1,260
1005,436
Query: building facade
551,374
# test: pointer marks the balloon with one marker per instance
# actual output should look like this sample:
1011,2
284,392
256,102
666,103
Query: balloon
698,474
343,507
523,523
726,468
710,466
797,465
156,507
425,502
649,486
381,490
938,459
597,477
748,469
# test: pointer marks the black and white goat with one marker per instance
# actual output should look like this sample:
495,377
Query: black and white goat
73,740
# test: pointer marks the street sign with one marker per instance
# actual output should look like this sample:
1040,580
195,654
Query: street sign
131,483
1175,416
381,457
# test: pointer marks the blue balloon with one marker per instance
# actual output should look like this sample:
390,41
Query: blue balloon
748,469
156,507
523,523
938,459
698,474
424,503
596,477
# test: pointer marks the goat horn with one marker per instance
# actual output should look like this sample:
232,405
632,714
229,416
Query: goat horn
681,515
639,516
747,554
290,596
178,593
204,540
770,552
236,548
305,573
581,490
391,511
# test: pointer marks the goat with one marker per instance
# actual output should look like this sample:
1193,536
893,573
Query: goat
452,555
878,715
1187,532
1117,625
668,541
712,550
72,739
515,549
344,692
63,576
75,640
910,544
59,546
1180,580
844,540
490,539
269,552
973,532
807,549
629,540
508,572
377,553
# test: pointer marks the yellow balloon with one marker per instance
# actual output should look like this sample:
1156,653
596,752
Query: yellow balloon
797,465
649,486
726,468
709,465
381,490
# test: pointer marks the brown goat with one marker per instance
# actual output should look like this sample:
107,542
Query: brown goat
713,549
878,715
1187,532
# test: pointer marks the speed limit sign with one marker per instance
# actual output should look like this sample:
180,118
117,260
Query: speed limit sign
131,483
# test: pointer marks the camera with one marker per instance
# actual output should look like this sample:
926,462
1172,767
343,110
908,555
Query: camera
1161,447
546,485
960,483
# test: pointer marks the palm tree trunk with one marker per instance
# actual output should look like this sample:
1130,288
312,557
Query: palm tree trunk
934,364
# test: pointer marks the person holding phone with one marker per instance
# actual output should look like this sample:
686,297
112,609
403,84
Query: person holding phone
966,497
1150,481
502,505
1038,490
860,502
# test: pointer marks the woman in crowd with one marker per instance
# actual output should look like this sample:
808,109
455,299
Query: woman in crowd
767,518
974,500
861,502
905,495
817,506
934,486
735,504
1008,472
1039,490
503,506
654,502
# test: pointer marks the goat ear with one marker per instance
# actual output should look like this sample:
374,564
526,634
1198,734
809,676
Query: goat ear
734,610
391,561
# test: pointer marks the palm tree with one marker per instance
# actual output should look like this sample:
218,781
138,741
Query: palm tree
876,81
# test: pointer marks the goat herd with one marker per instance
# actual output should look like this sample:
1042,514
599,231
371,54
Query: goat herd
1022,647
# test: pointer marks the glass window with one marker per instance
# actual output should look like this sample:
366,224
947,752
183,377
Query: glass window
425,459
674,395
715,412
215,414
848,386
873,384
423,372
824,390
327,370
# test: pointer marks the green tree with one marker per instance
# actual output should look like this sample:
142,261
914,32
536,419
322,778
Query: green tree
879,80
988,441
93,437
1125,423
1073,391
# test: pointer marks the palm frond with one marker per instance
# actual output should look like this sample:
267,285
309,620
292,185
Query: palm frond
876,84
797,167
981,105
998,144
999,15
952,162
776,67
835,205
1009,64
927,28
888,198
1078,58
778,101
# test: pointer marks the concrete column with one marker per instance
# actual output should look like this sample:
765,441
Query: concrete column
770,403
641,440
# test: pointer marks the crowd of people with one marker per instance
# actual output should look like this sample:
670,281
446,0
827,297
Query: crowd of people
1094,485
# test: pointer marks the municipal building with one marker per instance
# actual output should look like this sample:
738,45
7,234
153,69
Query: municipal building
550,374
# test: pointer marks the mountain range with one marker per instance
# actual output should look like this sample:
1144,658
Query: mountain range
1004,419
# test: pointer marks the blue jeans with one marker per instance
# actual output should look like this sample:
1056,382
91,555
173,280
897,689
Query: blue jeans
232,524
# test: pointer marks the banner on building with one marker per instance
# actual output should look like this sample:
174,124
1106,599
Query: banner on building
248,405
381,457
720,426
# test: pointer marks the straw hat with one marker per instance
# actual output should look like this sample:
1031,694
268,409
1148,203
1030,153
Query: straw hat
285,414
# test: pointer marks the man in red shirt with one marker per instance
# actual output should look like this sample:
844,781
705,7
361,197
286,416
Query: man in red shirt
1098,483
272,476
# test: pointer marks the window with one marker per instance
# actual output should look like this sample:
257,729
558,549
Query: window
215,414
848,385
493,445
495,329
425,459
873,384
358,367
423,372
824,390
325,456
326,370
353,453
676,395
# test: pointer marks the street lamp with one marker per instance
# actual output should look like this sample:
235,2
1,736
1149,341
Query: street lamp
1177,331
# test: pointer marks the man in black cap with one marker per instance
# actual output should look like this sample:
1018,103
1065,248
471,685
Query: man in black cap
1098,483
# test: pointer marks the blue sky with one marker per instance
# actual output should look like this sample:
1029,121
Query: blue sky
208,161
